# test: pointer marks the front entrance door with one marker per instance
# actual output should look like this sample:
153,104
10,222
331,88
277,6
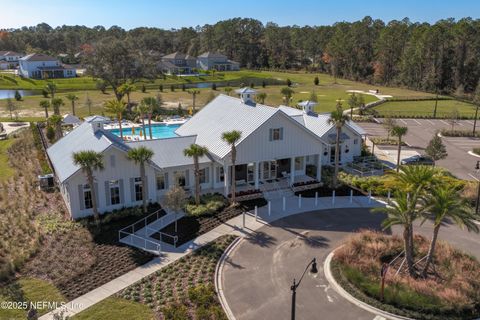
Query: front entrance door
332,154
269,170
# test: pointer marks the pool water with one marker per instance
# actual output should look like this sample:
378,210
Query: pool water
158,131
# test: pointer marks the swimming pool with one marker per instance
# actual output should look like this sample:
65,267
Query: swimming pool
158,131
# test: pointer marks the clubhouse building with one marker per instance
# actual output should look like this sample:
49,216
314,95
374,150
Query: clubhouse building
278,147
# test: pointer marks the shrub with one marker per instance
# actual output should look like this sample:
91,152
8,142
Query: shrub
209,204
289,83
316,81
459,133
214,86
476,151
202,295
50,134
160,88
144,89
176,312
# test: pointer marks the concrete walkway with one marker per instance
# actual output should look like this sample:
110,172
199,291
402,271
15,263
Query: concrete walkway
241,225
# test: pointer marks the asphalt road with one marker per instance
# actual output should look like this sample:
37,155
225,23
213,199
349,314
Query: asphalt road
259,272
421,131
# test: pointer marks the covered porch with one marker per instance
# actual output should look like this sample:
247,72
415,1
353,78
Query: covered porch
273,174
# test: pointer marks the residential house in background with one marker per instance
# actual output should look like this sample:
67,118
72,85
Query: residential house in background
9,59
216,61
42,66
177,63
278,147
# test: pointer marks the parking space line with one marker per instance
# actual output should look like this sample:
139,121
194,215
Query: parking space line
445,122
471,175
431,122
470,122
417,121
460,124
405,122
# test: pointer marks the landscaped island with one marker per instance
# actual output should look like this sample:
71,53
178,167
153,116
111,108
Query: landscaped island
451,292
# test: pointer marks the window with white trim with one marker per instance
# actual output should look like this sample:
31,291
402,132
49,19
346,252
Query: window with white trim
138,189
114,192
202,175
161,182
87,196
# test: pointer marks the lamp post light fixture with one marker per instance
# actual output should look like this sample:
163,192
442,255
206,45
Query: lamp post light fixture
295,285
477,168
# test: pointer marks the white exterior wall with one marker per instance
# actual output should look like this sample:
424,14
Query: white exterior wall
28,67
122,168
355,149
296,142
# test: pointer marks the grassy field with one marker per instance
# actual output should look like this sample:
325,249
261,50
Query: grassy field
328,92
116,308
5,170
29,290
425,108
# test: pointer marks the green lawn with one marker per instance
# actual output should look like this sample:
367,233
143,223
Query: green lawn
5,170
116,308
425,108
28,289
328,91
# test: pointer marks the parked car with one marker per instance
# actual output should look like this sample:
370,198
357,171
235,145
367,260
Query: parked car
418,160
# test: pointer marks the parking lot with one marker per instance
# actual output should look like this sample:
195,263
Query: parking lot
421,131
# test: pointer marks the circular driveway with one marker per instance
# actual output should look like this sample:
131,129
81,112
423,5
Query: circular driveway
259,271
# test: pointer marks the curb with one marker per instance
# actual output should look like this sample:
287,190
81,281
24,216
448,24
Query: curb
218,278
473,154
344,294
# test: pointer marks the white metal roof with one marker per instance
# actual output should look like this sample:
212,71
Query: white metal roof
246,90
81,138
222,114
168,152
71,119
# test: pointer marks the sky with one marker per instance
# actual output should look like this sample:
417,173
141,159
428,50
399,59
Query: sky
168,14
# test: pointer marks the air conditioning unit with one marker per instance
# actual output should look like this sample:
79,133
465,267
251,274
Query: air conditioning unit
46,182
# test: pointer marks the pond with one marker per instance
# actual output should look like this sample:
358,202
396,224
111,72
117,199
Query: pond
4,94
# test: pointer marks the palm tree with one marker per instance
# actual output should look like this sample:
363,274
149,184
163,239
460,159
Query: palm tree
45,104
445,202
126,89
194,96
117,108
142,110
287,94
152,104
56,121
417,178
402,212
338,119
56,104
232,137
398,131
51,88
141,155
196,151
72,97
261,97
90,161
353,103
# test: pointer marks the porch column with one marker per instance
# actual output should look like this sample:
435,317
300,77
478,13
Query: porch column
292,171
256,174
226,179
319,166
212,175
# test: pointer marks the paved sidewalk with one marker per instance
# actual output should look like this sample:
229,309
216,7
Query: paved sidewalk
233,226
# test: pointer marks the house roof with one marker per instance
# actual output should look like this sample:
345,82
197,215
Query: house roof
317,123
10,53
80,139
38,57
245,90
71,119
210,54
175,55
168,152
222,114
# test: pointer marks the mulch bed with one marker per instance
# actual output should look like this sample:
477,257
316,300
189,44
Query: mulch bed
112,259
190,227
327,192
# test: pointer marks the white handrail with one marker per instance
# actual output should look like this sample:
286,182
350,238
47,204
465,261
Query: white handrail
158,246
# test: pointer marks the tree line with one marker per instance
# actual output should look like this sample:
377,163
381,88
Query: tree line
441,57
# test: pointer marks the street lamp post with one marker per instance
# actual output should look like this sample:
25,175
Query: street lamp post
477,167
295,285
